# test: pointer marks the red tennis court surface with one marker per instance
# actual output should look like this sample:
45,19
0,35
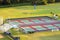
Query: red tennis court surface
35,24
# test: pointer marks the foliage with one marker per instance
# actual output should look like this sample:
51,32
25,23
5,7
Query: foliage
25,1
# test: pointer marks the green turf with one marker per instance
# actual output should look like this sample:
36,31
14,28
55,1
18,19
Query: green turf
28,10
14,32
55,37
42,8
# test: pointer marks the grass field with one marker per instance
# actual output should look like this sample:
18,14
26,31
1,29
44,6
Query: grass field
37,35
28,11
41,36
55,37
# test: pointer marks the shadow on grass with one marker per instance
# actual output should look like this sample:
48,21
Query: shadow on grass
15,5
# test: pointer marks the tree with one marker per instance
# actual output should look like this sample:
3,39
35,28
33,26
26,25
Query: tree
53,0
1,1
45,2
18,1
9,1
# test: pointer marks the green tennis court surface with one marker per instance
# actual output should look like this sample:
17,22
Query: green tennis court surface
29,24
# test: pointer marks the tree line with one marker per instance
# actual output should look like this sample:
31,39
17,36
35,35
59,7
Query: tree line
4,2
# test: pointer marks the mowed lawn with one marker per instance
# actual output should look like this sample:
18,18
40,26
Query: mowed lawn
28,11
40,36
55,37
37,35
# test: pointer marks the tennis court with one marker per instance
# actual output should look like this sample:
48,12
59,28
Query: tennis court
35,24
